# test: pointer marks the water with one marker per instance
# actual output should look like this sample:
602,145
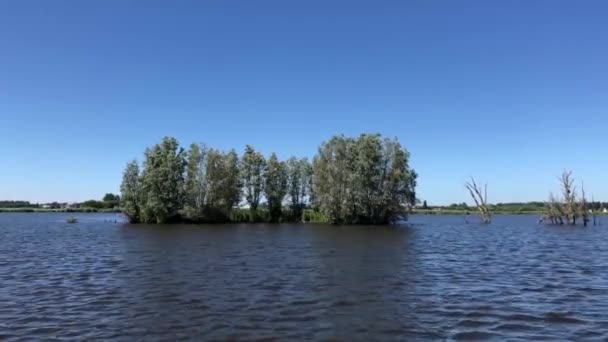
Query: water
440,278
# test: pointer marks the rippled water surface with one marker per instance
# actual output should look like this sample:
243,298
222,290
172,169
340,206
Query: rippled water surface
438,278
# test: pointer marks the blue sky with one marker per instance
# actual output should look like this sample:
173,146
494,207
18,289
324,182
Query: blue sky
511,92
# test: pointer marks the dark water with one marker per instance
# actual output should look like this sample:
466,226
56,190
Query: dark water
437,279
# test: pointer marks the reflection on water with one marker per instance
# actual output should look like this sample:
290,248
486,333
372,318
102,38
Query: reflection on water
438,278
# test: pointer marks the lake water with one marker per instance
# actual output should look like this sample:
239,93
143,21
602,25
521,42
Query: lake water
435,279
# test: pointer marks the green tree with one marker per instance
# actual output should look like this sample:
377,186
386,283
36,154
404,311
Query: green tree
294,180
216,175
252,173
331,178
351,180
275,187
110,201
299,173
93,204
195,183
399,183
109,197
130,192
212,184
162,182
231,193
309,187
370,167
363,180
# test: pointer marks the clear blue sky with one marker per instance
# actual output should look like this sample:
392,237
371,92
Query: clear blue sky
511,92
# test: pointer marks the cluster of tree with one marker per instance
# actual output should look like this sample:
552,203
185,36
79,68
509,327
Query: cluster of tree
109,201
459,206
519,207
362,180
17,204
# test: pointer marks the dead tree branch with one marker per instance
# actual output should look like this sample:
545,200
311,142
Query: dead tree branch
481,199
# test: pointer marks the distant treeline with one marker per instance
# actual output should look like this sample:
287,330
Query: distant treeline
363,180
110,202
17,204
502,207
513,207
57,210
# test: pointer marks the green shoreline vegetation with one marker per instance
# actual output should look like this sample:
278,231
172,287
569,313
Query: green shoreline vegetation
363,180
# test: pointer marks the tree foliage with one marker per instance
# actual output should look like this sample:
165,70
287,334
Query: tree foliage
232,181
252,172
351,180
299,180
195,183
162,182
275,186
130,191
110,201
363,180
212,184
18,204
109,197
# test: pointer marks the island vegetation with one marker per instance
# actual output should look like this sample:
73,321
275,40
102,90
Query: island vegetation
362,180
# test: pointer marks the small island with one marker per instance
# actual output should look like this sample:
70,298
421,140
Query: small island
362,180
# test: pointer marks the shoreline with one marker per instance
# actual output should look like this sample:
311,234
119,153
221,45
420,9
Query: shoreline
414,212
476,213
70,210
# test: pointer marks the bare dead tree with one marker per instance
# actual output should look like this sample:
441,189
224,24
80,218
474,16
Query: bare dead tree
554,210
569,194
569,208
481,199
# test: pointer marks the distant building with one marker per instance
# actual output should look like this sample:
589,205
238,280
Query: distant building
605,210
